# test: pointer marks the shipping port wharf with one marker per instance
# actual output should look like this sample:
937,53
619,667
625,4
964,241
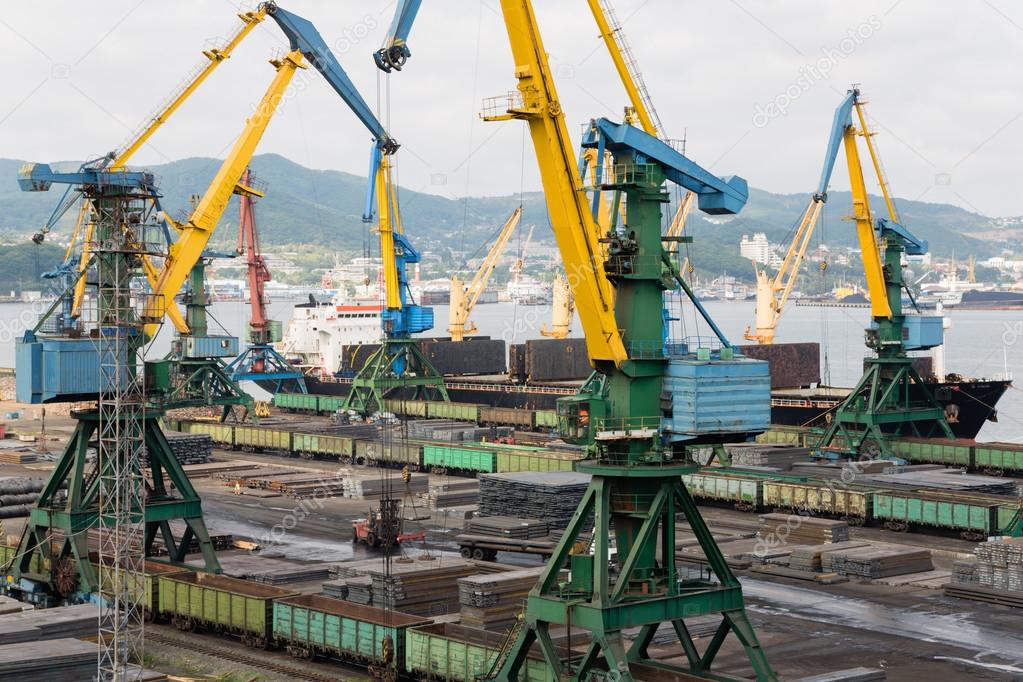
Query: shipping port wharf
640,503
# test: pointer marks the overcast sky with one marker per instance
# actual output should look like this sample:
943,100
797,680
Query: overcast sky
751,84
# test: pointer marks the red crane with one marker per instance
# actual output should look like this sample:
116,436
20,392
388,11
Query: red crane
260,362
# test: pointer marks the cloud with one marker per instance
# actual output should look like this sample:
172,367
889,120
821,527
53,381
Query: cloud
942,82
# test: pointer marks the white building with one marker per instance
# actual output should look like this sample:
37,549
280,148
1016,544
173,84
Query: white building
758,250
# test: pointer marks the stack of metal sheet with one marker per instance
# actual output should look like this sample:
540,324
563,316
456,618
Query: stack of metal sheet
190,448
17,452
965,572
809,557
45,624
880,561
429,591
338,589
491,602
454,493
948,479
766,454
60,659
547,496
362,488
507,527
291,574
359,589
794,529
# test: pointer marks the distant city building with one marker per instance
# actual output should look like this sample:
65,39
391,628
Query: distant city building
758,250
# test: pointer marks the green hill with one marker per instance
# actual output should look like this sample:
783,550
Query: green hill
323,207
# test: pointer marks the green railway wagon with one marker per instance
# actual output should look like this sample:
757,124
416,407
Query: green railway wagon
145,584
408,408
221,434
510,461
782,435
974,516
545,419
35,564
171,424
401,454
312,624
217,602
935,451
844,501
744,493
510,416
437,409
444,458
329,403
260,438
446,651
304,402
1006,516
323,445
1001,457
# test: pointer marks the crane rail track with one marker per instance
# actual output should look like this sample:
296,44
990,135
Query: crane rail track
236,656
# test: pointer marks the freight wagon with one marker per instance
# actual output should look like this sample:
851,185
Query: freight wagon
222,604
445,651
850,502
973,516
314,445
745,494
315,625
506,416
998,458
956,453
297,402
261,439
145,584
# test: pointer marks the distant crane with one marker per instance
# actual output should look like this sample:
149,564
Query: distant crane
260,361
464,298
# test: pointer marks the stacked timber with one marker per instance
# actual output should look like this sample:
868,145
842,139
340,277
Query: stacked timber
455,493
491,602
17,495
801,530
810,557
365,488
547,496
45,624
780,457
507,527
880,561
190,448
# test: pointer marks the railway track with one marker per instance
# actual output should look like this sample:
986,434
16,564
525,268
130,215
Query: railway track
236,655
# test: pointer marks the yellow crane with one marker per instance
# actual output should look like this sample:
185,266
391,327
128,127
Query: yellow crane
562,310
464,298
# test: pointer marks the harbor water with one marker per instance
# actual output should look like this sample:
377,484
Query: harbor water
980,343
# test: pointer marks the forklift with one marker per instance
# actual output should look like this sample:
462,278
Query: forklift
383,527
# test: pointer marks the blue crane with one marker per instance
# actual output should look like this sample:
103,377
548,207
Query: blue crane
395,52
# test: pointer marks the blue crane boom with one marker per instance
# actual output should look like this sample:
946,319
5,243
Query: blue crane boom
304,37
393,55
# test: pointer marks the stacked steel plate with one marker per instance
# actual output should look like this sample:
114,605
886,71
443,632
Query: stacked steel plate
507,527
547,496
793,529
491,602
880,561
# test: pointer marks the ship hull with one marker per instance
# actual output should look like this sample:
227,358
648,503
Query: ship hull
972,402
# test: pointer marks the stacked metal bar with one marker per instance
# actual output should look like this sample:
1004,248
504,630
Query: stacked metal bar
766,455
809,557
547,496
507,527
491,602
880,561
363,488
793,529
429,591
190,448
1000,564
454,493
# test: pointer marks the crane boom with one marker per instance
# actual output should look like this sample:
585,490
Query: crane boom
537,103
395,52
305,38
215,57
197,231
626,66
464,298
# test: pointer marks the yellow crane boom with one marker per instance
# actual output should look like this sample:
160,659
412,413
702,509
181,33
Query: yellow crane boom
464,298
196,232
